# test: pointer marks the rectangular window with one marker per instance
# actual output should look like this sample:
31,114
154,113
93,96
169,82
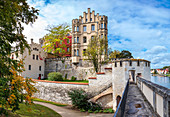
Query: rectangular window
74,28
33,57
138,63
29,67
74,52
102,25
74,39
84,29
115,64
77,28
146,64
86,20
130,63
90,19
92,27
68,49
77,52
101,36
77,39
37,57
39,68
120,63
92,37
84,40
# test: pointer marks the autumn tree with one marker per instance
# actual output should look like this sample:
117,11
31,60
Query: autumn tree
53,41
96,52
13,14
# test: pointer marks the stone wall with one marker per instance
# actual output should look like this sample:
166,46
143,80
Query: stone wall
65,66
158,96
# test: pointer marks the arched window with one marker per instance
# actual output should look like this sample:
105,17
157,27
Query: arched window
118,98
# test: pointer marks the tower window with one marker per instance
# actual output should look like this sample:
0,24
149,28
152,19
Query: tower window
120,63
138,63
102,25
39,68
84,28
92,27
29,67
130,63
33,57
115,64
77,39
84,40
74,52
74,28
90,19
77,52
146,64
77,28
37,57
74,39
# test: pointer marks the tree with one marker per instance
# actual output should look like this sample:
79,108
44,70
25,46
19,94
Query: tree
96,52
53,42
13,14
125,54
114,54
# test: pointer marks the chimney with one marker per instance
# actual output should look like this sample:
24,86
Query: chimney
31,40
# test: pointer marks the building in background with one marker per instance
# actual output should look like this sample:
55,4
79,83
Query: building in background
85,28
34,63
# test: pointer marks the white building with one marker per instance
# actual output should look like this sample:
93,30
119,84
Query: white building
34,62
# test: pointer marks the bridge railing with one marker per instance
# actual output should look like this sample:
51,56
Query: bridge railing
121,107
158,96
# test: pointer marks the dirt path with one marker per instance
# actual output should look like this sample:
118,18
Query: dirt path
67,112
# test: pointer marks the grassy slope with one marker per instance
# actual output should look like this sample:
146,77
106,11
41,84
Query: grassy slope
34,110
41,100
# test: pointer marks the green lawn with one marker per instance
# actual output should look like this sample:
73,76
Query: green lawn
34,110
41,100
78,81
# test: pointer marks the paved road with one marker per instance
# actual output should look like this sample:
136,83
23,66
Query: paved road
68,112
136,104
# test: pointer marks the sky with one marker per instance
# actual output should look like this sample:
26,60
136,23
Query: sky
139,26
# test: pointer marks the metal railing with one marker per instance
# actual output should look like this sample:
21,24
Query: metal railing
121,107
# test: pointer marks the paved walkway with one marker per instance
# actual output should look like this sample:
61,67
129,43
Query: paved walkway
68,112
136,104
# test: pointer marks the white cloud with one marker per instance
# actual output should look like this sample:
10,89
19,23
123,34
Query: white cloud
146,24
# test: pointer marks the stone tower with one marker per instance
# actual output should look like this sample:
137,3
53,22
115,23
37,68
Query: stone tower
85,28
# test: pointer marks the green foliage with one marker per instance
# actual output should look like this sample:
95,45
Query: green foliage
73,78
13,15
65,77
57,34
80,100
122,54
55,76
96,51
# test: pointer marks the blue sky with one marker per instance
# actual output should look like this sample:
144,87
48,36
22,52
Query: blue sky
140,26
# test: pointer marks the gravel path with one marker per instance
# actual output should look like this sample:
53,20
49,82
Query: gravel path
68,112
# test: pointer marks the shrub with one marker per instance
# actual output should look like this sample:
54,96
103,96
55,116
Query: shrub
80,100
65,78
73,78
55,76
